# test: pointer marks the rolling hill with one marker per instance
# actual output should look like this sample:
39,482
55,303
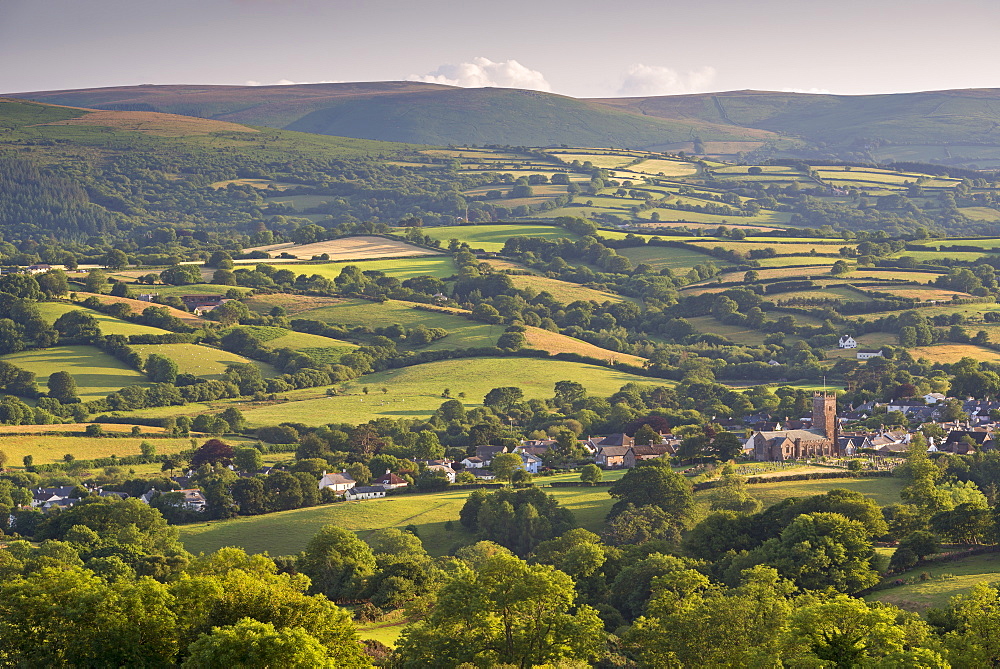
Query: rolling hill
411,112
959,127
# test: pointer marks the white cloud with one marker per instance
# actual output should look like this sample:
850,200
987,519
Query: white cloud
643,80
812,91
482,72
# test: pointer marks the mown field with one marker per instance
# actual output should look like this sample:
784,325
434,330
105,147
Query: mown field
96,373
51,448
349,248
664,257
323,349
401,268
50,311
417,391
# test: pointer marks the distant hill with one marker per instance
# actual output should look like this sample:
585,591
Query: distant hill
414,113
959,127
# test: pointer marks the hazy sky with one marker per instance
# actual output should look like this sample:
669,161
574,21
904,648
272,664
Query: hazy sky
577,47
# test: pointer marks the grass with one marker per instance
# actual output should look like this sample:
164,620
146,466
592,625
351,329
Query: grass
203,361
51,448
349,248
947,579
417,391
96,373
109,325
493,237
555,342
322,349
948,353
564,291
664,257
287,532
463,333
668,168
883,490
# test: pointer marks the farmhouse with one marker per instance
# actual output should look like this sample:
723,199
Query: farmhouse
390,481
615,457
847,341
822,439
487,453
338,482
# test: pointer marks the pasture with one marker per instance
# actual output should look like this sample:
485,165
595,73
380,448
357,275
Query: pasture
323,349
51,448
883,490
138,306
96,373
666,257
462,332
418,391
363,247
554,342
564,291
666,168
50,311
203,361
946,579
948,353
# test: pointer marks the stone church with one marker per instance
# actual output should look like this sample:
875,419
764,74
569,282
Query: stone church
820,439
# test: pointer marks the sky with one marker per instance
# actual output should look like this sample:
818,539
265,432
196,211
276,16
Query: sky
583,48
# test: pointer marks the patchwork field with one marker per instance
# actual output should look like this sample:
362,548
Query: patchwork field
492,237
348,248
402,268
948,353
564,291
417,391
51,448
666,257
203,361
323,349
556,343
96,373
138,306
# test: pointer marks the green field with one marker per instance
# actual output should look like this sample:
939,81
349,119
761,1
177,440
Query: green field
883,490
51,448
109,325
493,237
947,579
96,373
663,257
203,361
564,291
462,332
322,349
401,268
416,391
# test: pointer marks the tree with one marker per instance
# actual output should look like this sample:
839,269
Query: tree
54,283
115,259
248,459
213,452
569,392
646,436
160,369
502,399
504,465
97,281
78,325
504,611
591,473
653,484
338,562
62,386
250,643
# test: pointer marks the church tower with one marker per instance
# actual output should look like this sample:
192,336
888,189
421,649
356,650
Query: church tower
825,414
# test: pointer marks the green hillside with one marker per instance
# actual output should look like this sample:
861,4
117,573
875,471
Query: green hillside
409,112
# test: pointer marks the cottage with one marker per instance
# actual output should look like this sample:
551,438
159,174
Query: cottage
473,463
194,500
448,471
364,492
338,482
390,481
652,452
483,474
531,463
61,496
487,453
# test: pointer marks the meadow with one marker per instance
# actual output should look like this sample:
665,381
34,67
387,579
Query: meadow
203,361
945,580
49,448
417,391
96,373
666,257
50,311
493,237
323,349
564,291
401,268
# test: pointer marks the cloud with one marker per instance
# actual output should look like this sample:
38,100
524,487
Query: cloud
812,91
482,72
643,79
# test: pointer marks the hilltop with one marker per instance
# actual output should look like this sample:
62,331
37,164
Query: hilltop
955,127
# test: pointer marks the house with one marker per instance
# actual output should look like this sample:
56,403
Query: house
473,463
853,445
487,453
390,481
957,441
652,452
934,398
847,341
449,472
868,354
617,440
146,297
483,474
194,500
364,492
615,457
338,482
46,498
531,463
39,268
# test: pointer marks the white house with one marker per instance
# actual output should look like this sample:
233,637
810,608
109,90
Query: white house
390,481
531,463
847,341
868,354
193,499
934,398
338,482
448,471
473,463
364,492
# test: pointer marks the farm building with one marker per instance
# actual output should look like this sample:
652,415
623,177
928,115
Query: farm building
364,492
868,354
